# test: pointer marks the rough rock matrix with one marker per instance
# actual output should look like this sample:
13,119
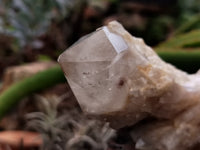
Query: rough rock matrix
118,78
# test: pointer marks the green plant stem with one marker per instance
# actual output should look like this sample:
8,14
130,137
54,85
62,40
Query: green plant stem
10,97
185,60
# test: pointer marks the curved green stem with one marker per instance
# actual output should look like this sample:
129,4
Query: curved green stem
185,60
10,97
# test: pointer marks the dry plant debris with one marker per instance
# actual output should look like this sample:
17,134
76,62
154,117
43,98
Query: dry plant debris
71,130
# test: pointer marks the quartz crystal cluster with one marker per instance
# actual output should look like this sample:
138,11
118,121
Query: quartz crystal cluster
119,79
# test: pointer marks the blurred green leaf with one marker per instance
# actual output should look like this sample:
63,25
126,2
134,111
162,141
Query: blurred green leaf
26,20
184,40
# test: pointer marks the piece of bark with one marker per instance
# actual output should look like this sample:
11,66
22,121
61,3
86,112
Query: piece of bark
17,139
118,78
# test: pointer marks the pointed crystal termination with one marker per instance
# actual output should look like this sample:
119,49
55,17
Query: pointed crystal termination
119,79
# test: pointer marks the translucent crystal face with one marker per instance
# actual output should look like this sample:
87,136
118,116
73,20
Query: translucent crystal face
87,68
117,41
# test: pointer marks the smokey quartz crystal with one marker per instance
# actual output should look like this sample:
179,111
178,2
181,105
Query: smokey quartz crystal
87,66
118,78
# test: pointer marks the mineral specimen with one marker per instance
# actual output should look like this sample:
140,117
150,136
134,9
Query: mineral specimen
118,78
